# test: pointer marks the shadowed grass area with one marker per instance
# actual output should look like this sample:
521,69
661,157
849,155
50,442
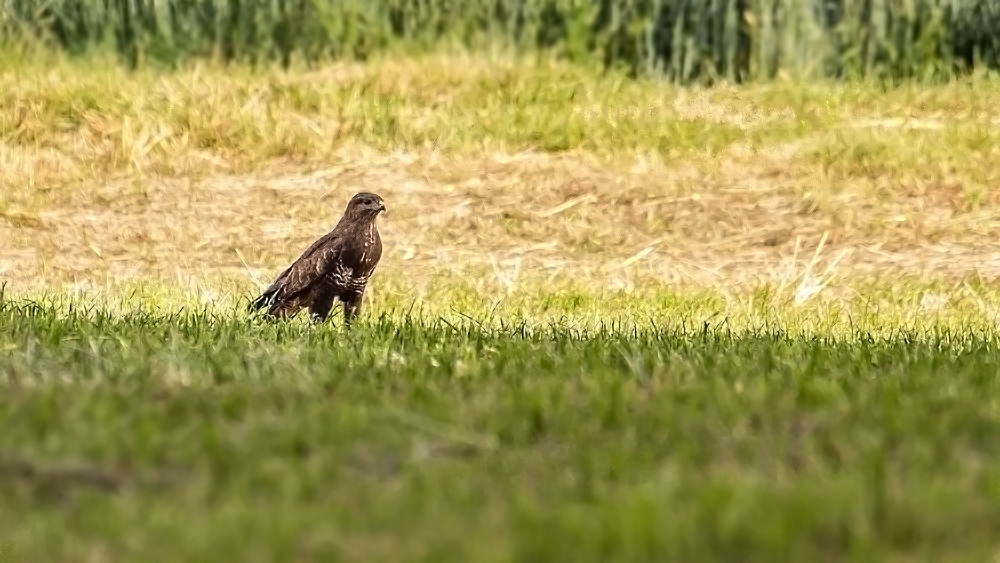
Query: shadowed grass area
166,434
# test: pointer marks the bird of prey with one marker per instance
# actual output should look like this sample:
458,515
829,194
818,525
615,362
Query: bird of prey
336,266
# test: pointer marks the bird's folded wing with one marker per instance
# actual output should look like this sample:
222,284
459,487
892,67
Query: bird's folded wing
318,260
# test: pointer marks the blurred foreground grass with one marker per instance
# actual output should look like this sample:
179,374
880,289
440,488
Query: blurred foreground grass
626,428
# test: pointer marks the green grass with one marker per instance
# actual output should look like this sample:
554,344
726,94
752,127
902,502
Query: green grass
683,432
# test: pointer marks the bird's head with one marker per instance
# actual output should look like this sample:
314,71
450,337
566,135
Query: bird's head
366,205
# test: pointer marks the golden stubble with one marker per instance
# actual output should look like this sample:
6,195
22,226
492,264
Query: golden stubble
115,176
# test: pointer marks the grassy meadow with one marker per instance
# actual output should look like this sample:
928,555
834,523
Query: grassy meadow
616,319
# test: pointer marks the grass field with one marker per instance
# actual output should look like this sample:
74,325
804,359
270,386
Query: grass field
615,320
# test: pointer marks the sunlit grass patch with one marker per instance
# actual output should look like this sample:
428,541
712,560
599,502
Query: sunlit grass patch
111,174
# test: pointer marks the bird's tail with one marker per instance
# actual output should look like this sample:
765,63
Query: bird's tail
263,301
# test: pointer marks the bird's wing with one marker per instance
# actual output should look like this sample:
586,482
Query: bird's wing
318,260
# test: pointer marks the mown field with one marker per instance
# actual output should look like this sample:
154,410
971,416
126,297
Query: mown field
616,319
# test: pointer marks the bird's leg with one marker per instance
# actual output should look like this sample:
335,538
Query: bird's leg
352,306
320,307
281,311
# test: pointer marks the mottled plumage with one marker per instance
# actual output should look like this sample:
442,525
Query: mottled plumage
336,266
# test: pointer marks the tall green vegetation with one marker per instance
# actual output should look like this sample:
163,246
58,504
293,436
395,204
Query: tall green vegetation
683,40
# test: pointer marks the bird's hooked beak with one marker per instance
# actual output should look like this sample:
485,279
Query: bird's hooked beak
381,206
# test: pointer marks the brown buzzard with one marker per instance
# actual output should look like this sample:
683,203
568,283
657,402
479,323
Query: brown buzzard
336,266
